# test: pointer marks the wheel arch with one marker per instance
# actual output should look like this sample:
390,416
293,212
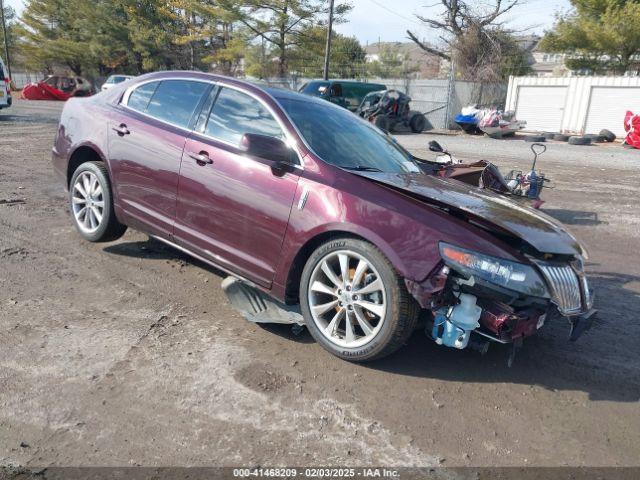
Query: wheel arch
294,273
83,153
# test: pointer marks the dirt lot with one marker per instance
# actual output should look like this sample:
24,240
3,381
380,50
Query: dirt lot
129,354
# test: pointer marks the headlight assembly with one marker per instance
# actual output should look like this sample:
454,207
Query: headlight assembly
499,271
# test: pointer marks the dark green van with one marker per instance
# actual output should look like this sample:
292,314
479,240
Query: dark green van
347,94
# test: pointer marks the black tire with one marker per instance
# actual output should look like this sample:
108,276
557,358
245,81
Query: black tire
535,138
579,141
561,137
595,138
382,123
608,135
418,123
549,135
401,313
109,227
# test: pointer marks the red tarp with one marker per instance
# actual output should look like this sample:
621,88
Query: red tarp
632,126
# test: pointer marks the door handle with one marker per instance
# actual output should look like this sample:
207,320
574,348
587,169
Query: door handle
201,158
121,130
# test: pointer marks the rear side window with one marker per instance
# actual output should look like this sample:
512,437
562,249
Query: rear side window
175,101
236,113
139,98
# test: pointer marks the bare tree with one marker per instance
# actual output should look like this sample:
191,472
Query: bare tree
474,37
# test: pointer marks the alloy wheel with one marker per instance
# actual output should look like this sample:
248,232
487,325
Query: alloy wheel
87,201
347,299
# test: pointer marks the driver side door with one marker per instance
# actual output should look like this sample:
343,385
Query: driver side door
233,209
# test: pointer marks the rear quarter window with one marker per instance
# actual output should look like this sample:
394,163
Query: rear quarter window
139,98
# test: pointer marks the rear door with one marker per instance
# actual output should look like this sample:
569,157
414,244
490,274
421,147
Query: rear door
233,208
147,133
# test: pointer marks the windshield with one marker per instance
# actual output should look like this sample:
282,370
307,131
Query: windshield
341,138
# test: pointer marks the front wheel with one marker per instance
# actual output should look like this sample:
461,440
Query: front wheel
91,204
354,303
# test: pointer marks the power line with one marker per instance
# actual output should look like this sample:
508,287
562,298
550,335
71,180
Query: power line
396,13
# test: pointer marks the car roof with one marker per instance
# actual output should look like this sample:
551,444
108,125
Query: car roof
274,92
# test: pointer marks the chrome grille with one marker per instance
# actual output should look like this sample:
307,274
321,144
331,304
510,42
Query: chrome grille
564,287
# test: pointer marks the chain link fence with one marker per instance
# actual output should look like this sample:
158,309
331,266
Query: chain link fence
439,99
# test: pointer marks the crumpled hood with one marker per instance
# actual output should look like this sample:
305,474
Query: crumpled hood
539,230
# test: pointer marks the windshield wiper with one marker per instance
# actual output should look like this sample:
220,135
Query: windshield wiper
362,168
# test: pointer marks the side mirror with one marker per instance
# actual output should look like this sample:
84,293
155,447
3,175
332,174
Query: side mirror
269,148
435,147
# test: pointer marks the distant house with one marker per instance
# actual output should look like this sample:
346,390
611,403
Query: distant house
426,65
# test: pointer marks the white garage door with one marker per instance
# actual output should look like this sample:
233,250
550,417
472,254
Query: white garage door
541,107
608,106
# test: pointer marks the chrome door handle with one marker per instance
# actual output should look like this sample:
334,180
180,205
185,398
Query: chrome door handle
201,158
121,130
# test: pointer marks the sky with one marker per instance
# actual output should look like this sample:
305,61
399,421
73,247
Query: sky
388,20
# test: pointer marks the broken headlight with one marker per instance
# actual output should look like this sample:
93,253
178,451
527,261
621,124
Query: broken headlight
499,271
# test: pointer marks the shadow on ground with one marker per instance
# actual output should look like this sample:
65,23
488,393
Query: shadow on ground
549,359
574,217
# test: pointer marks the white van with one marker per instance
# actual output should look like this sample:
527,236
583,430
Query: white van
5,86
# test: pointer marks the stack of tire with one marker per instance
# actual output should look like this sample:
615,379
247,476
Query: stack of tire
603,136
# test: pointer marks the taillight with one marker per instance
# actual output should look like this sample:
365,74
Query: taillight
7,82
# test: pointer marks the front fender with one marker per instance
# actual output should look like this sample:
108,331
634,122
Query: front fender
405,229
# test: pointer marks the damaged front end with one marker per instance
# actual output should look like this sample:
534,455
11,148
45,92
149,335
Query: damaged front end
499,300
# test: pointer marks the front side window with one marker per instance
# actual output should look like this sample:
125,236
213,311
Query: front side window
235,113
175,101
139,98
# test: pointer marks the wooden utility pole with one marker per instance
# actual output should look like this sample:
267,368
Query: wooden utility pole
327,51
6,41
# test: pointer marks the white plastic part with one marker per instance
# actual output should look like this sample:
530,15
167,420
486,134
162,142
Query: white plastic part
467,313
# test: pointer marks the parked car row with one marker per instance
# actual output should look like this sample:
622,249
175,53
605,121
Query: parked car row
321,219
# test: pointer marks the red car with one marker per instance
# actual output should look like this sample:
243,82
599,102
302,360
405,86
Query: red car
319,217
56,87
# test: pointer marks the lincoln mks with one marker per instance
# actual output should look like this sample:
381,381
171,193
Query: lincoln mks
319,218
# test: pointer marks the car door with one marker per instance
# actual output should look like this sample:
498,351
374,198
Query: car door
233,209
147,132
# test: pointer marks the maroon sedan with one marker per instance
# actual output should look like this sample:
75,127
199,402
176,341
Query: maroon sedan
319,217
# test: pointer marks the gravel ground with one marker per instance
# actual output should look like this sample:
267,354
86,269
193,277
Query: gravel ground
128,353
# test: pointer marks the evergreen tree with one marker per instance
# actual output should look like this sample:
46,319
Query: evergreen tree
282,23
598,35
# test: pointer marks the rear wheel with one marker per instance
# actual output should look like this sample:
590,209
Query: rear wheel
354,303
383,123
418,123
91,204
